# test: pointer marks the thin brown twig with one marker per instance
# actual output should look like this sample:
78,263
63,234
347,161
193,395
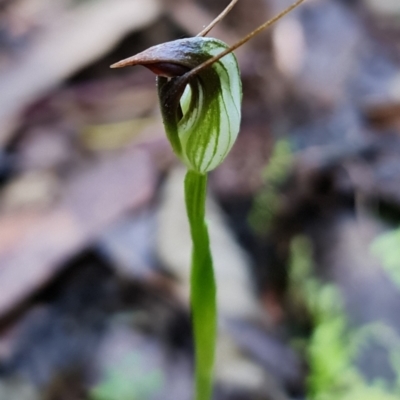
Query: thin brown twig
242,41
218,19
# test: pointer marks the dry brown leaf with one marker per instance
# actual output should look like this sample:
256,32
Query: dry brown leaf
91,201
82,36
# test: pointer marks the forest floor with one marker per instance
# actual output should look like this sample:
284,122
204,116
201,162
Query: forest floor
303,213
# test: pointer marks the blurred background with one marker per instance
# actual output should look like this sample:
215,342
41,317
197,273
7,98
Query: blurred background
304,213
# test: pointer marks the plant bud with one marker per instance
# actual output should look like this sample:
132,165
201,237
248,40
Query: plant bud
200,110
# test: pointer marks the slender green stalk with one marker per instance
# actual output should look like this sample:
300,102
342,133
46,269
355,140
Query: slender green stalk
203,288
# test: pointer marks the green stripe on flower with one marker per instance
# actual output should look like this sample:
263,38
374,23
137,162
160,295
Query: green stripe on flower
211,110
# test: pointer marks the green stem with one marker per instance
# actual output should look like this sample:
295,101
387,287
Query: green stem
203,288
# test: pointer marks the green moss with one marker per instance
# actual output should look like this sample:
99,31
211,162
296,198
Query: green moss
333,345
128,380
266,204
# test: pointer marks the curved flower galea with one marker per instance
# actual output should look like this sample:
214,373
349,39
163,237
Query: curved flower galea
201,112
